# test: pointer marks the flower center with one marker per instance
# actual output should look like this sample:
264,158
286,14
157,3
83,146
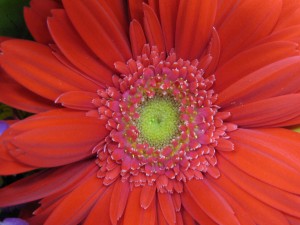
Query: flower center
158,122
164,125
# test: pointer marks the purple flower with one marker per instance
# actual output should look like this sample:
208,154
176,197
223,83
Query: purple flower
13,221
3,126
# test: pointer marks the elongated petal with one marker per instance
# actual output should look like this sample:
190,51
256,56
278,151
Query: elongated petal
137,38
260,213
17,96
100,211
194,210
81,100
44,183
267,112
153,29
193,27
211,202
46,141
264,83
167,207
82,199
260,55
35,67
73,47
98,31
36,19
256,151
118,201
168,12
274,197
133,208
240,29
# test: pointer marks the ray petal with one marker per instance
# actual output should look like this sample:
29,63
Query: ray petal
35,67
73,47
190,42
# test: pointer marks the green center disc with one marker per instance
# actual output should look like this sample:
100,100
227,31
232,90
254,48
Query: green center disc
158,122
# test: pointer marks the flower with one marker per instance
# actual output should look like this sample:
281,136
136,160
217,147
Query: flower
173,114
13,221
3,126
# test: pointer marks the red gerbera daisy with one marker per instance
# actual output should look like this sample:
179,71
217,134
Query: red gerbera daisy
156,112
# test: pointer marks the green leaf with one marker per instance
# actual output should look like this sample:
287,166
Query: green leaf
11,18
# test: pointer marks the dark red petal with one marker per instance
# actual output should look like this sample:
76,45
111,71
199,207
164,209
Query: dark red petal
34,66
136,10
73,47
250,21
36,19
118,201
211,202
13,94
274,197
260,55
45,183
78,203
168,12
47,141
153,29
258,154
81,100
193,27
267,112
264,83
99,31
137,38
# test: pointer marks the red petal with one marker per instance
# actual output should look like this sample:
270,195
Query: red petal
267,112
99,213
258,154
147,195
148,216
46,141
276,198
137,38
133,208
194,210
167,207
136,10
98,30
194,26
34,66
80,100
290,15
36,19
250,21
211,202
261,213
118,201
77,204
19,97
73,47
153,29
264,83
44,183
261,55
168,12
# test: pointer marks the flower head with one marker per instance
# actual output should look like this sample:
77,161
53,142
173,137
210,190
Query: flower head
173,114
